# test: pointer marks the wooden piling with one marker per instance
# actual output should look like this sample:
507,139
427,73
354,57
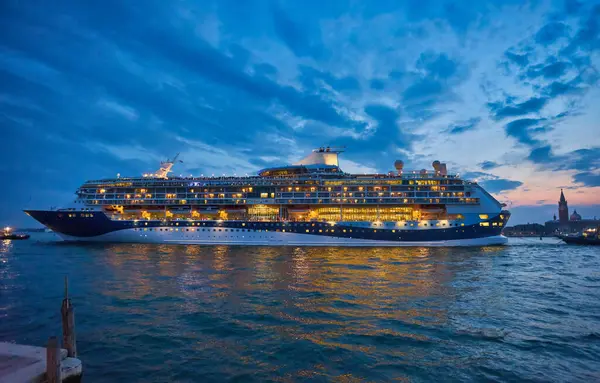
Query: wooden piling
53,360
68,323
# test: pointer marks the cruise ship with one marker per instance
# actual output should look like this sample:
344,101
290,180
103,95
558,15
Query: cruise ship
310,203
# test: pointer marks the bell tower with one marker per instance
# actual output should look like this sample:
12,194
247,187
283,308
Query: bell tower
563,209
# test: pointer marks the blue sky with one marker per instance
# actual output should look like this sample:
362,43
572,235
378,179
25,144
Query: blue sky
505,92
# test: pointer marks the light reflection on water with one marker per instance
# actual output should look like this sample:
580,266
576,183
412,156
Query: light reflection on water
190,313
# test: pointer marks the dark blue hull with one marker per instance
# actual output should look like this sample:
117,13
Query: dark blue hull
82,225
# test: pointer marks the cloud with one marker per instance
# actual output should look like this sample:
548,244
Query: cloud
500,185
551,32
507,109
588,34
313,80
437,65
294,36
377,84
423,89
524,129
491,182
464,126
123,110
587,178
587,159
519,59
572,6
586,163
542,154
551,71
488,165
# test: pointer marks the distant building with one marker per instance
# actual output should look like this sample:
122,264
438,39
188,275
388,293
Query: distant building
563,209
565,223
526,230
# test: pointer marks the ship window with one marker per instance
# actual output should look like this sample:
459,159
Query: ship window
495,224
484,224
462,224
483,216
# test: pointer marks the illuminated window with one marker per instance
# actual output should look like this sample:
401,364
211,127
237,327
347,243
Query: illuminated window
483,216
484,224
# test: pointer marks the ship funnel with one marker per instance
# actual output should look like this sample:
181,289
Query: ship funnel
440,168
399,165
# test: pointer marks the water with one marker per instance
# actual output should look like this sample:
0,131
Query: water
151,313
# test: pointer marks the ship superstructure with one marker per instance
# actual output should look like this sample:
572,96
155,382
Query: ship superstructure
312,202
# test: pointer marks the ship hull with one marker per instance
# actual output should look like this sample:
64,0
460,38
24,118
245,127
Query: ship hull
97,227
271,239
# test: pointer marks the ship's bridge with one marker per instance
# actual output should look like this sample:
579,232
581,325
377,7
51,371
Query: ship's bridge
295,170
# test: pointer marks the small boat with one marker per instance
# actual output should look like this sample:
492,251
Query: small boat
587,237
6,234
14,236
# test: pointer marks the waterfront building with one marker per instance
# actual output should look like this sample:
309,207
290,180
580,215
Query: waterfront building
566,224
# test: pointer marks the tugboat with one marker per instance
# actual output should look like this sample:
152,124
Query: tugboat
6,234
588,237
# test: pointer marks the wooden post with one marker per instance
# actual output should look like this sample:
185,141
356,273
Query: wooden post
53,361
68,324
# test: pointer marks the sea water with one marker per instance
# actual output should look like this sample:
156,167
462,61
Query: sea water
529,311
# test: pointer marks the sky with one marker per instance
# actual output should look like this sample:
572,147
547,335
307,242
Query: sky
505,92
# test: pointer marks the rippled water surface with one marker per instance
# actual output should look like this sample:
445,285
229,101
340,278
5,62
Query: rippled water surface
151,313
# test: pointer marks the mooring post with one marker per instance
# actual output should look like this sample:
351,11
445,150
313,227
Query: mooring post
68,323
53,361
